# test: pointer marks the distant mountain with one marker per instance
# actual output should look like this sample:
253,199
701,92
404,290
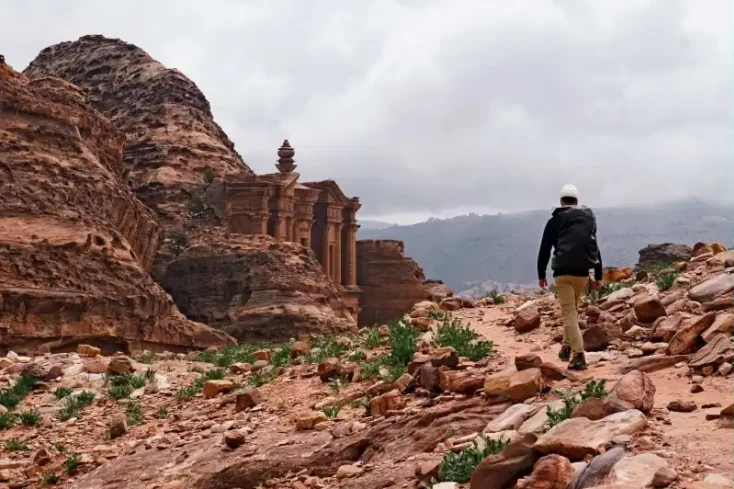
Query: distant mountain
502,249
374,225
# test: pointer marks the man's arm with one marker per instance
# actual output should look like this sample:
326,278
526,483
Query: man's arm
546,244
598,273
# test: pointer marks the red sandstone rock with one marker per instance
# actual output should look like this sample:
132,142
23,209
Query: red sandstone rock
636,388
389,401
648,308
73,238
527,320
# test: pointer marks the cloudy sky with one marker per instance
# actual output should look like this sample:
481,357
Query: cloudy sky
437,108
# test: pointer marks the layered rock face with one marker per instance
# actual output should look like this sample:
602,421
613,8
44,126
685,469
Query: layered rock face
256,288
74,241
171,136
391,283
175,159
663,253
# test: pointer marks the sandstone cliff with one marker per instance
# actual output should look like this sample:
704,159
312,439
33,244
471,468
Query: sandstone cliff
391,283
74,241
175,159
255,288
171,136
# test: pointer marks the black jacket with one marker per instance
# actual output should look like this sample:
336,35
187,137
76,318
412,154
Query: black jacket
567,232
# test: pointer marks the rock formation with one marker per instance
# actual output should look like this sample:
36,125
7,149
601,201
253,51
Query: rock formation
663,253
255,288
391,283
176,158
75,244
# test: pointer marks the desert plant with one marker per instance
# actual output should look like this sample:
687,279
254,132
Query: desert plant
49,479
179,241
12,396
338,383
121,391
282,356
261,377
7,420
134,413
326,347
665,280
402,342
497,296
149,375
331,411
31,417
439,315
458,467
71,464
463,339
15,445
557,416
595,389
60,447
185,393
62,392
147,358
371,338
162,412
74,403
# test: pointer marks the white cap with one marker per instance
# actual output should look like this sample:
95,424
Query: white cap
569,190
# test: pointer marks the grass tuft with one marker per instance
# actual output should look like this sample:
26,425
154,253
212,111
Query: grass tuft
459,467
464,340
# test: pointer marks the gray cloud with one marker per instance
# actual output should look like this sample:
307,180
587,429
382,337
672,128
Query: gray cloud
433,107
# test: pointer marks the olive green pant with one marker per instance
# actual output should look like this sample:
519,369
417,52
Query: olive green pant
570,290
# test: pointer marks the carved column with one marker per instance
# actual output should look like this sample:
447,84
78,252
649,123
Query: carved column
338,257
350,254
325,245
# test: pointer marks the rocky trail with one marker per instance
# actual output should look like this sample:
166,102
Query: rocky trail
454,395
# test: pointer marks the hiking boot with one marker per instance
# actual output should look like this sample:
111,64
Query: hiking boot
565,353
578,362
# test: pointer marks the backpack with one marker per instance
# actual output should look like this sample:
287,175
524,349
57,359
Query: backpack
575,247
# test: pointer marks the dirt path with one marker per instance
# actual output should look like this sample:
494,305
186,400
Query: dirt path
691,444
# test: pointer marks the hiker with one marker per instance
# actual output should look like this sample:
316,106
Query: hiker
571,232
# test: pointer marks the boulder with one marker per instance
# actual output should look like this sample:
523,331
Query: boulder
592,408
424,323
329,369
665,327
717,351
511,419
636,388
309,420
596,472
524,384
445,356
496,384
118,426
214,387
595,338
248,398
265,355
389,401
685,339
648,308
502,470
679,406
428,378
95,366
88,350
300,349
576,438
120,364
550,472
655,254
527,320
234,438
723,324
528,360
664,477
638,470
712,288
460,381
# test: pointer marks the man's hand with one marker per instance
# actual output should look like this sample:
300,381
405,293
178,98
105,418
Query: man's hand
595,285
543,284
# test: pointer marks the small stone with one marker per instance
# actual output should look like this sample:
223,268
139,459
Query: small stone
262,355
664,477
248,398
88,350
214,387
118,426
707,370
121,364
259,365
307,421
527,320
725,368
682,406
696,388
234,438
348,471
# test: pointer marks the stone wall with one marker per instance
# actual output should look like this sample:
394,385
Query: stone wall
390,282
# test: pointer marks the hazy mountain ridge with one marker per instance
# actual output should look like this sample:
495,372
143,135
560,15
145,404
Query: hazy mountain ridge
503,248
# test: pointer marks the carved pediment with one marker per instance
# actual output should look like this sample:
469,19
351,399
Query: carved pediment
330,192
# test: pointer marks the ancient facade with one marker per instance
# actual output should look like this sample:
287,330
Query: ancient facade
314,214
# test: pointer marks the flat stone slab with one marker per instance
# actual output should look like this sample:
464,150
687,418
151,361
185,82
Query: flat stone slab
511,419
638,470
712,288
576,438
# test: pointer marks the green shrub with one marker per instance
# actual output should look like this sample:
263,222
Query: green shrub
497,296
32,417
439,315
60,447
15,445
595,389
71,464
372,339
185,393
592,389
12,396
62,392
558,416
326,347
121,391
458,467
463,339
664,281
129,380
282,356
338,383
50,479
162,412
261,377
7,420
402,342
134,413
150,375
331,411
593,296
74,403
179,241
147,358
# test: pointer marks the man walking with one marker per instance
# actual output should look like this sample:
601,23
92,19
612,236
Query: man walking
571,232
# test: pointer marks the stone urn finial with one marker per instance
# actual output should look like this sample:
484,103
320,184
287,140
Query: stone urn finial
286,163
